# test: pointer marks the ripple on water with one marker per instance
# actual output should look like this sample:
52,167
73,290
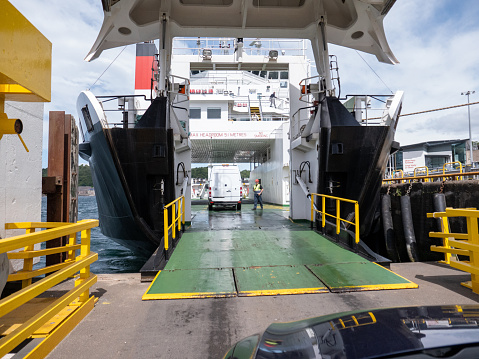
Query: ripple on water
112,257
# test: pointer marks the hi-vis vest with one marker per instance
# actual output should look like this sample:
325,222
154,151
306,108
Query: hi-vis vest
257,187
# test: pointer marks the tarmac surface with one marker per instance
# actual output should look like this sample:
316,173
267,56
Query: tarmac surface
123,326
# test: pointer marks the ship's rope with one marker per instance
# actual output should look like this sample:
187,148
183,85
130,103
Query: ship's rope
439,109
379,77
111,63
433,110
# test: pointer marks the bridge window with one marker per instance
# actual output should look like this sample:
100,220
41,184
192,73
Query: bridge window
284,75
273,75
275,3
195,113
213,113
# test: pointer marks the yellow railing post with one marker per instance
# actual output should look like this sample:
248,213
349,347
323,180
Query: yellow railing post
178,218
173,224
71,242
28,262
473,237
312,210
445,229
84,272
165,227
356,221
323,209
338,216
183,210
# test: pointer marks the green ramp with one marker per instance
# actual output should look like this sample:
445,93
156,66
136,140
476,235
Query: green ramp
244,254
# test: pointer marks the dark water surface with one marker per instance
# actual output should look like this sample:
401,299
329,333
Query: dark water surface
112,258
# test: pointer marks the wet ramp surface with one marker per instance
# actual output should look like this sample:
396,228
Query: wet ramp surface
247,253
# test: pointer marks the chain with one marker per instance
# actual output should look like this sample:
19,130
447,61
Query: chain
409,189
441,189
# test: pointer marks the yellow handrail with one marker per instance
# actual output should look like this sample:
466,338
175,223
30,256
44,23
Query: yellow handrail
176,215
338,212
451,163
439,177
77,299
465,244
422,170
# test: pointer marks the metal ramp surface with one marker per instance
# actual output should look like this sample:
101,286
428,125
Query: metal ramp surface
250,253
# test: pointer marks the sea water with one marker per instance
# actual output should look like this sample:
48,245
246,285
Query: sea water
112,257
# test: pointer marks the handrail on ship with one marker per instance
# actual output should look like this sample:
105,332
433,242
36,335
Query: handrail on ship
64,312
338,213
177,218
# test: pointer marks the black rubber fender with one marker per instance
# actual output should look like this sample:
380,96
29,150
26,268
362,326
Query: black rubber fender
388,228
408,226
439,201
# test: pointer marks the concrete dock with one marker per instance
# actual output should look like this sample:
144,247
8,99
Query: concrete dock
123,326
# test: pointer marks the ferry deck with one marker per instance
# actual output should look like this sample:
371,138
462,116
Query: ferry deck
225,253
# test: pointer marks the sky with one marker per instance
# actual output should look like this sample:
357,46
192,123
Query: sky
436,43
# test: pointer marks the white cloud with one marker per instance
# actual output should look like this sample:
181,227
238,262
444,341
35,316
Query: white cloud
435,42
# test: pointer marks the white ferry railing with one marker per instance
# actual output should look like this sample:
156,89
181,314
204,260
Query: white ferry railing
299,121
226,46
246,117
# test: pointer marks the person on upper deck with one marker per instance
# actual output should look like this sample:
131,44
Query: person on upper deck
272,102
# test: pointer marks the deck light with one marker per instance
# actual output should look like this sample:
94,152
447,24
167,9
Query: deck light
273,54
207,54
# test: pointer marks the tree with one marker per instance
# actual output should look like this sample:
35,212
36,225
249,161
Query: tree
199,172
84,175
245,174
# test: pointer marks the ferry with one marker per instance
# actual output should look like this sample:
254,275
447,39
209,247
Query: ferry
222,89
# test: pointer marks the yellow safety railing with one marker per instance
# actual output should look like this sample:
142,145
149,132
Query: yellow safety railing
465,244
177,218
422,169
337,217
452,163
58,316
431,178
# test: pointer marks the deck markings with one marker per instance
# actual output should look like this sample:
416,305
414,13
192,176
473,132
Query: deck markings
262,253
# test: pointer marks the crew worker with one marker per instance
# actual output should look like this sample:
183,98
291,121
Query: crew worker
272,98
258,191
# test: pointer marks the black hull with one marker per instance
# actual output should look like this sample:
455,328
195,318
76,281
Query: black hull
132,171
352,161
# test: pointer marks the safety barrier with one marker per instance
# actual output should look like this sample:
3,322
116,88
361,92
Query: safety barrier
464,244
422,169
177,218
55,317
452,163
431,178
337,217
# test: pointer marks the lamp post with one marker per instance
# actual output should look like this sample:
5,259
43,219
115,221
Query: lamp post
468,93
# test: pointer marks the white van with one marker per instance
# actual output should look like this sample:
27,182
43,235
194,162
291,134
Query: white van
225,188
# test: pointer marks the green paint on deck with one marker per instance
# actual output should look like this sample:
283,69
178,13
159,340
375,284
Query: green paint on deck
277,281
200,283
246,248
257,245
341,277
